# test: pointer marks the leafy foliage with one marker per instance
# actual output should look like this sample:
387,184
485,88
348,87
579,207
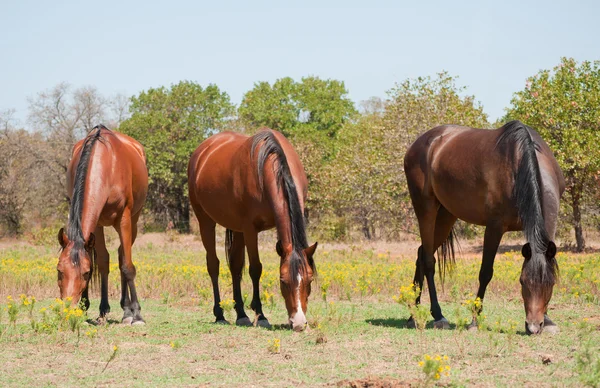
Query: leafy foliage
170,124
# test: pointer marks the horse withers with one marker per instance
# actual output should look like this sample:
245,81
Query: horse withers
505,179
107,183
249,184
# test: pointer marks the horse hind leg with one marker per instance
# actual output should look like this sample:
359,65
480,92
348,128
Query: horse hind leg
236,257
435,224
207,233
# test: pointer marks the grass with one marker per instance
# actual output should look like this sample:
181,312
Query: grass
357,329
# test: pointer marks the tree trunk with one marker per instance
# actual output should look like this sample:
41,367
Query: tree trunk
576,196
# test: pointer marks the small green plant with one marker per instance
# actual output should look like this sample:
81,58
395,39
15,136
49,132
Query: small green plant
165,297
407,296
175,345
434,368
113,355
13,310
274,346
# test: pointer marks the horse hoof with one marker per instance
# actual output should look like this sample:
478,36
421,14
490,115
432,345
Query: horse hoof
127,321
410,324
222,322
245,321
441,324
472,327
263,323
139,322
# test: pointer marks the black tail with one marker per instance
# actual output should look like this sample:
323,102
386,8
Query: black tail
270,146
229,239
527,193
446,256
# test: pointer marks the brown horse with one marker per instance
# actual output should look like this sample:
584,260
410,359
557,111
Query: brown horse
107,180
248,192
506,180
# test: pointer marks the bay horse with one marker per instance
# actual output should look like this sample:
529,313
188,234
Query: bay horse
505,179
249,184
107,182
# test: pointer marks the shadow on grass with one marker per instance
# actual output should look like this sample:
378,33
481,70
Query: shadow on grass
401,323
388,322
95,322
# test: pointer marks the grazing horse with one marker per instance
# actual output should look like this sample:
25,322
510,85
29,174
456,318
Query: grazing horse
505,179
247,185
107,182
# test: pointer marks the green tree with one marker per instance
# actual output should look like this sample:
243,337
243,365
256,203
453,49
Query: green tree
563,106
313,108
366,187
171,123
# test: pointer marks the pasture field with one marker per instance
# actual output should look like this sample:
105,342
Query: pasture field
357,332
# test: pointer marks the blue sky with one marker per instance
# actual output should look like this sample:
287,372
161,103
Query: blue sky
128,46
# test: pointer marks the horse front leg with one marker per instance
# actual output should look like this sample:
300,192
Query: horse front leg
491,241
251,240
129,299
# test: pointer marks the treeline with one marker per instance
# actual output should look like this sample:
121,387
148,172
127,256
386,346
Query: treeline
353,154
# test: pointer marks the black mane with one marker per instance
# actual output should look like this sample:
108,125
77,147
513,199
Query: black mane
74,228
527,193
271,146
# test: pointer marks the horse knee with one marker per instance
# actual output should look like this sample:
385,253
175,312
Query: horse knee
128,271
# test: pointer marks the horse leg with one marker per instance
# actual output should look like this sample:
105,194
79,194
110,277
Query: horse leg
251,239
444,222
102,259
491,241
427,211
443,226
127,230
418,285
207,233
237,256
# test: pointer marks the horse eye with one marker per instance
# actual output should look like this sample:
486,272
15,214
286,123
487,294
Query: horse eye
87,275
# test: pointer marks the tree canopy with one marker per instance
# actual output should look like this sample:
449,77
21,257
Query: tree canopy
171,123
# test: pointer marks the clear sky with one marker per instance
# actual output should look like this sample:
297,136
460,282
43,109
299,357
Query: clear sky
128,46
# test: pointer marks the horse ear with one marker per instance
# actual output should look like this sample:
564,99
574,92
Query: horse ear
551,250
526,251
310,251
62,238
279,248
91,242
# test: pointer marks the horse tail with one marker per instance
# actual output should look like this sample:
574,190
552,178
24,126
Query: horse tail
446,255
269,145
74,228
527,193
229,240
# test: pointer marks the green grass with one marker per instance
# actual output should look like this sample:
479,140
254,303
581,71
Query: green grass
357,333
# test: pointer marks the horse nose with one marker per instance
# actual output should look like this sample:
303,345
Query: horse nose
298,322
299,327
534,328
